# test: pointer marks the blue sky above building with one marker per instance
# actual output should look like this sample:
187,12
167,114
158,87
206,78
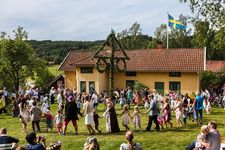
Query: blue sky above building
85,19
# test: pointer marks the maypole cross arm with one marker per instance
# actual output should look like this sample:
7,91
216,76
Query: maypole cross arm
111,57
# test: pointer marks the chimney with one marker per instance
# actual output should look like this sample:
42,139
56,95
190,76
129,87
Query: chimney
159,45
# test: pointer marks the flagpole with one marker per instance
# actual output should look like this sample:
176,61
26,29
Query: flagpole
167,31
167,40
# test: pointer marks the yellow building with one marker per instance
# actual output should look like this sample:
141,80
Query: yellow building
159,69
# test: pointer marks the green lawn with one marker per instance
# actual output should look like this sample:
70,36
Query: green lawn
167,139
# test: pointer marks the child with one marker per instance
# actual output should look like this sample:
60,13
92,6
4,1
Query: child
161,120
178,112
122,101
96,117
184,115
49,120
79,105
208,108
146,103
59,121
61,107
190,112
201,136
126,117
44,107
136,118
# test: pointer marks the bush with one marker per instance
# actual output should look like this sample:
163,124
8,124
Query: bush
139,86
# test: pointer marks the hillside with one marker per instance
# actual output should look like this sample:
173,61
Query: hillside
55,51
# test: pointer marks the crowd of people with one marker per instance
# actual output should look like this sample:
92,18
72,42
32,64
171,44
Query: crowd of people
32,103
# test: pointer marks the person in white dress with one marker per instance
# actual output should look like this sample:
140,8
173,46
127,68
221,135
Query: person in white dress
88,113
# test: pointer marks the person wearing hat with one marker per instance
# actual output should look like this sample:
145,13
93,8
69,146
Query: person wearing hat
71,114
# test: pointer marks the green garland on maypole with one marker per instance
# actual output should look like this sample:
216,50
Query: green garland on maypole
110,61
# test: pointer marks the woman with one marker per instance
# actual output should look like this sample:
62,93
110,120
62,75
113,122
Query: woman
88,113
111,117
24,114
167,112
130,144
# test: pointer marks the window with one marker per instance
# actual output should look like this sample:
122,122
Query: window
91,87
159,87
82,86
174,86
86,70
130,83
175,74
130,73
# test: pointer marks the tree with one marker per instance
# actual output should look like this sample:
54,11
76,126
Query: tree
133,38
203,36
218,44
139,86
212,11
43,75
207,79
178,38
17,57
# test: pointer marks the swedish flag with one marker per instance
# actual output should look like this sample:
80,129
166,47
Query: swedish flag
173,23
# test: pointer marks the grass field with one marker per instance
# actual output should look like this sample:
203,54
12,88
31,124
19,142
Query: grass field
167,139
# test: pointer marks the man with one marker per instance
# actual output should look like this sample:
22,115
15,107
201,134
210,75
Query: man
6,142
71,114
198,108
34,143
213,139
35,116
153,113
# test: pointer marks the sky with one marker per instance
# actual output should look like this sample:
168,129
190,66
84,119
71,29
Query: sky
85,20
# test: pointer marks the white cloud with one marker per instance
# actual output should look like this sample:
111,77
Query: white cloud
84,19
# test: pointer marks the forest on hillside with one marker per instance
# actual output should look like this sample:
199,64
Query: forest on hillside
55,51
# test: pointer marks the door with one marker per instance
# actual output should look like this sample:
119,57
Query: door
130,83
159,87
91,87
82,86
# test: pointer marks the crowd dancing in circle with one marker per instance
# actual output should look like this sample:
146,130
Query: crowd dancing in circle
32,104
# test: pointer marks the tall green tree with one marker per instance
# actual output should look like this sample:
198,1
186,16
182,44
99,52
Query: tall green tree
43,76
133,38
203,37
178,38
212,11
17,58
218,44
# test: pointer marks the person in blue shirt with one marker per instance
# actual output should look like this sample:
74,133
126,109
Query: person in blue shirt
153,113
34,142
198,108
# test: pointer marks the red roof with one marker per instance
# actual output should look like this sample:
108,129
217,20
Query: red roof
215,66
146,60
